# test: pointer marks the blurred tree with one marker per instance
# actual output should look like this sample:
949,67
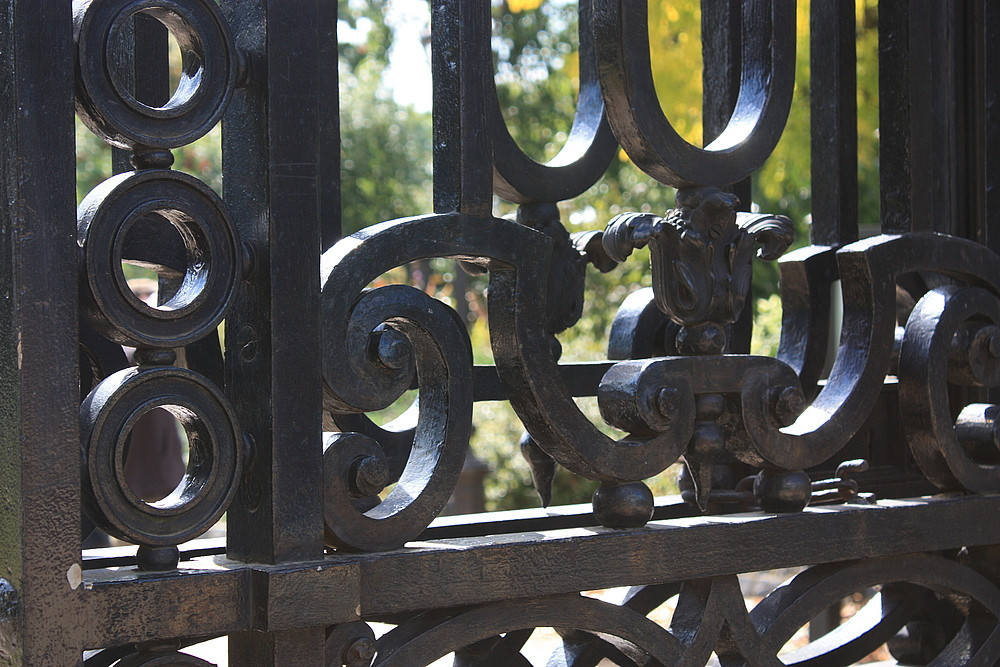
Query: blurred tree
385,147
385,151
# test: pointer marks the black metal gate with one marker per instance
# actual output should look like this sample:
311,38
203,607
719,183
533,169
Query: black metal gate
314,556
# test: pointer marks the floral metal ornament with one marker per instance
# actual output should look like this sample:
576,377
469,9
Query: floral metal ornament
700,252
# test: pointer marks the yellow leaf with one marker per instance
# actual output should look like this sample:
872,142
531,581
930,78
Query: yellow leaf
523,5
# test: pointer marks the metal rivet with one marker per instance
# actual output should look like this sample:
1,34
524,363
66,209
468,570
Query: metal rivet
368,476
668,401
787,405
359,653
993,342
391,349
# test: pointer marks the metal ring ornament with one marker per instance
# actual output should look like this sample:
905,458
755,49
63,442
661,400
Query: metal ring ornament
621,35
584,157
214,258
214,466
208,76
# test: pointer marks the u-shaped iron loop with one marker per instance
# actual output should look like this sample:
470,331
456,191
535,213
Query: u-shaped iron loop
766,84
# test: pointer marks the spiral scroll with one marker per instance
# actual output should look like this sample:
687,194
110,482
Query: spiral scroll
924,362
435,346
357,383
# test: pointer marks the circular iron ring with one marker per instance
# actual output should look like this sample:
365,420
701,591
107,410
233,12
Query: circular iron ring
208,77
214,465
212,258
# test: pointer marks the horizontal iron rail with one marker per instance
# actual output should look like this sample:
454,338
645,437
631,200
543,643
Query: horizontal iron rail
213,595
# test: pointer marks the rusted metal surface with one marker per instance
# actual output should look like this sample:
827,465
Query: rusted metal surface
786,464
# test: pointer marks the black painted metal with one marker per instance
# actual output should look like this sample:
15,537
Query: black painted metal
833,97
313,553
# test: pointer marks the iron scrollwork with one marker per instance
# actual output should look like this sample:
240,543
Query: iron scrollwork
517,302
701,250
706,244
954,454
689,398
363,372
710,615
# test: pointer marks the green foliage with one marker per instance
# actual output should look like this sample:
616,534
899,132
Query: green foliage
766,326
385,147
385,155
365,16
93,161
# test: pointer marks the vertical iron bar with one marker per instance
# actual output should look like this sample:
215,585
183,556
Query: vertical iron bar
271,166
983,24
962,67
329,135
985,132
461,63
933,149
894,115
834,119
144,64
294,648
40,623
991,123
921,163
722,65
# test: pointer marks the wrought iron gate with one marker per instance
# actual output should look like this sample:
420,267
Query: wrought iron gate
312,557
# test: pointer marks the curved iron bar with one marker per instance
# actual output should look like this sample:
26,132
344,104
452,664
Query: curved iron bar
583,159
807,276
923,383
768,77
790,607
868,271
429,336
631,632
